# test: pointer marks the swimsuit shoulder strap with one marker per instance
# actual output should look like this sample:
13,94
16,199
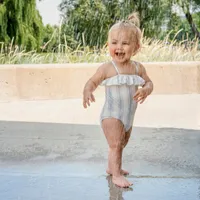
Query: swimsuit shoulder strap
115,66
136,67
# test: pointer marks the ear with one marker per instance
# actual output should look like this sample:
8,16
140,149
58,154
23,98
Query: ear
137,48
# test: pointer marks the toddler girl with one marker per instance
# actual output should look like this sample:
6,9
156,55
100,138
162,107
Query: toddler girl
121,78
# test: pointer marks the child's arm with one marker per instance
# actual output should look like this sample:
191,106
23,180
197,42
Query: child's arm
92,84
147,88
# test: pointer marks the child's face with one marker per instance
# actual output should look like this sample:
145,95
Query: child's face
121,45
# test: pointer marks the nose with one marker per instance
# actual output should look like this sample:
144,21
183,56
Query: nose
119,46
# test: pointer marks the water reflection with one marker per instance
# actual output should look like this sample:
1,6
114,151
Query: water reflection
116,192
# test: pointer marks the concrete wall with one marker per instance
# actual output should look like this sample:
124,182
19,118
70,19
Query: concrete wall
60,81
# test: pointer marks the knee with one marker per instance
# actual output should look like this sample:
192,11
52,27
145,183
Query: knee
117,146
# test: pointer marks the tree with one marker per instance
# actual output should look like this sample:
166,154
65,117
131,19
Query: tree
21,22
89,21
178,28
55,37
188,6
152,14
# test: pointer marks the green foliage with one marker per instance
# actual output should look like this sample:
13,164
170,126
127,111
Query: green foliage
90,20
55,37
86,23
196,18
178,28
87,20
21,22
189,7
3,24
152,14
50,39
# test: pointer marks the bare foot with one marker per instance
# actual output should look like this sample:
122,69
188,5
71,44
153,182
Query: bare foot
123,172
121,181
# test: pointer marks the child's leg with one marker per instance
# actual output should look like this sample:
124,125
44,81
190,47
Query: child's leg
121,129
127,136
115,135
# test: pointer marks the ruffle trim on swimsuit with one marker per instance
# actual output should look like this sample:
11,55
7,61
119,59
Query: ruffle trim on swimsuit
124,79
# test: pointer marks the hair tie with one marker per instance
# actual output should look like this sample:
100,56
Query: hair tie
125,21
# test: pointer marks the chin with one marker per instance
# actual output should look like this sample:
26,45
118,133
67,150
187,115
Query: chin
121,60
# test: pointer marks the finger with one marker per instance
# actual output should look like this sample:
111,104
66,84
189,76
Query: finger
93,99
84,104
142,100
88,102
136,94
90,98
139,98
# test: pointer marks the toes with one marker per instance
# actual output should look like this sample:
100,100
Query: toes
124,172
123,185
109,172
130,183
127,184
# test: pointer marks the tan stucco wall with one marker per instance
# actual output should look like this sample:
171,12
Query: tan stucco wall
60,81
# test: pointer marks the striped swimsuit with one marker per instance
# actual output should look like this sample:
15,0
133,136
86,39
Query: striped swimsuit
119,102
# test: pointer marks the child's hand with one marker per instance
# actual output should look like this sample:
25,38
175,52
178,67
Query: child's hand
87,98
140,95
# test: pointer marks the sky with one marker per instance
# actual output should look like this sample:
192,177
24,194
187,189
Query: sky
49,11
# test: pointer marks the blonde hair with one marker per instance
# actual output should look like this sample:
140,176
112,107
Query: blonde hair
133,24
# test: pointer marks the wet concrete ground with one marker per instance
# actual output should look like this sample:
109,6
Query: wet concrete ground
54,161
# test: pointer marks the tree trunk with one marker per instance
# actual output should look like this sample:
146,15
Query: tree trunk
192,24
186,9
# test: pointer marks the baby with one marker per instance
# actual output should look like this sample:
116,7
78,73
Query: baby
121,78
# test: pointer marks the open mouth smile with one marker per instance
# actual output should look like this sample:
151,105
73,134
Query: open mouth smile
119,54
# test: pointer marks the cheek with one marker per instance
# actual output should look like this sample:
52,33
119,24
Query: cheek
111,50
130,51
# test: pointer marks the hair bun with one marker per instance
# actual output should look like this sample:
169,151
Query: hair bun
134,18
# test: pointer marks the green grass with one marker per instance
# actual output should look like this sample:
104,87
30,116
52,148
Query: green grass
151,51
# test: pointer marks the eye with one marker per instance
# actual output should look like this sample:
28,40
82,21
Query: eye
114,42
125,43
